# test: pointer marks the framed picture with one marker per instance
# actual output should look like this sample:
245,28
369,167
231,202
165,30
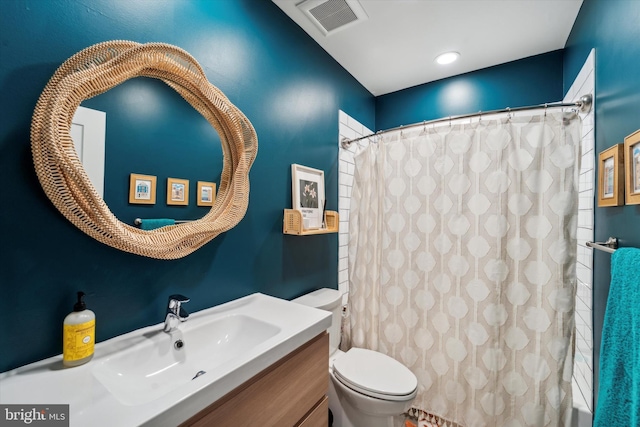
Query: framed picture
632,168
206,193
307,194
177,191
142,189
611,177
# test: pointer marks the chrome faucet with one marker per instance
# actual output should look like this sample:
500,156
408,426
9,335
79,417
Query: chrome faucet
175,312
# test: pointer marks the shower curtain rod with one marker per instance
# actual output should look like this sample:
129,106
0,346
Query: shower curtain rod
583,104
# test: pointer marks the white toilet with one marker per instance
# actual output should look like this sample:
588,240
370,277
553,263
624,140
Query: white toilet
367,388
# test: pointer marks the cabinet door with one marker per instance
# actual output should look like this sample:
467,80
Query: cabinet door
319,417
281,395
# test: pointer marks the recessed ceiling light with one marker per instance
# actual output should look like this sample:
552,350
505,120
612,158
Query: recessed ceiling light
447,58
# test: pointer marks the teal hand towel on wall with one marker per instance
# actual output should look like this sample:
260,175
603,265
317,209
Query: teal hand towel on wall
619,391
152,224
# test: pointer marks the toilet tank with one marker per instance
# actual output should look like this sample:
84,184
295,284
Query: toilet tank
329,300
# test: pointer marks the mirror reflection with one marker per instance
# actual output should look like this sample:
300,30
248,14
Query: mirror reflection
151,130
88,130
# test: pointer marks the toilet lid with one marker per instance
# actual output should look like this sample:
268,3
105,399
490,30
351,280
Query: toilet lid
375,374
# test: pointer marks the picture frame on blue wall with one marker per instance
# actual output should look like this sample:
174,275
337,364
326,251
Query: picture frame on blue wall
142,189
177,191
632,168
611,177
307,195
206,193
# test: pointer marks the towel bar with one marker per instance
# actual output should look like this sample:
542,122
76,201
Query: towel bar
609,246
138,221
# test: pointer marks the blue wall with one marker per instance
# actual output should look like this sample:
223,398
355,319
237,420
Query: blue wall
528,81
612,28
287,86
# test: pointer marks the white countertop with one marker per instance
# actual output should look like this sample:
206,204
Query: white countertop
91,404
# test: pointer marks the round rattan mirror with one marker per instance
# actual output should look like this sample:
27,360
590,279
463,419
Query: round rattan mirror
99,68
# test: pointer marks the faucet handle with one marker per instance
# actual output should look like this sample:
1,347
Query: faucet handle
178,298
175,305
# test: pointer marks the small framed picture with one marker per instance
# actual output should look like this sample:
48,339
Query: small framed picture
142,189
632,168
611,177
308,195
206,193
177,191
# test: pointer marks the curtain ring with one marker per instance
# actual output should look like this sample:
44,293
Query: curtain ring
508,113
449,121
545,109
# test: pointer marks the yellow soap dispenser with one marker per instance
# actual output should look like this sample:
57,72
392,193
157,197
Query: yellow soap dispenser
78,334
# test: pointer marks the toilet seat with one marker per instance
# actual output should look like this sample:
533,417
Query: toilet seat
375,374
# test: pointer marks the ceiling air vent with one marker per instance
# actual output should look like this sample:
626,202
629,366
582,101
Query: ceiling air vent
333,15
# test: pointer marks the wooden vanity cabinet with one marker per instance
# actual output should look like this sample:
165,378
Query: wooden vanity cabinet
291,392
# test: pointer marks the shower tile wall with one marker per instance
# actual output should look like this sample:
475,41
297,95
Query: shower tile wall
348,128
583,364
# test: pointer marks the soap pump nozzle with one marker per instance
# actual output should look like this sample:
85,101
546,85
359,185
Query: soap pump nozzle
80,305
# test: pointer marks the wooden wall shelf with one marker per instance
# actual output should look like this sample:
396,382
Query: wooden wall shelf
293,224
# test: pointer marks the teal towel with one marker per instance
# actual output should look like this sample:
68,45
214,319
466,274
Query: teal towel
619,391
152,224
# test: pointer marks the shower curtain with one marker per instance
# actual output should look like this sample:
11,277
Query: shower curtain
462,260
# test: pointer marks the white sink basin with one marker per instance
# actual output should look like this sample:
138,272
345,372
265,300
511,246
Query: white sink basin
141,379
159,363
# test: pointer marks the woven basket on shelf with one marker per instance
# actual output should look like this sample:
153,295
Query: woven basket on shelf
99,68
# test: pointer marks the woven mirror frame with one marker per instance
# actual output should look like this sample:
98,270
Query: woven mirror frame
99,68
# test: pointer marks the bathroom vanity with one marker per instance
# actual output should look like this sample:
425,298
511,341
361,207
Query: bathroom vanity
257,360
291,392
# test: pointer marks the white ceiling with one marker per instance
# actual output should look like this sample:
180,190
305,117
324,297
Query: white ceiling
396,46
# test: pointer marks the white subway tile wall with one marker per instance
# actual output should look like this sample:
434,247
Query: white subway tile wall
583,363
348,128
